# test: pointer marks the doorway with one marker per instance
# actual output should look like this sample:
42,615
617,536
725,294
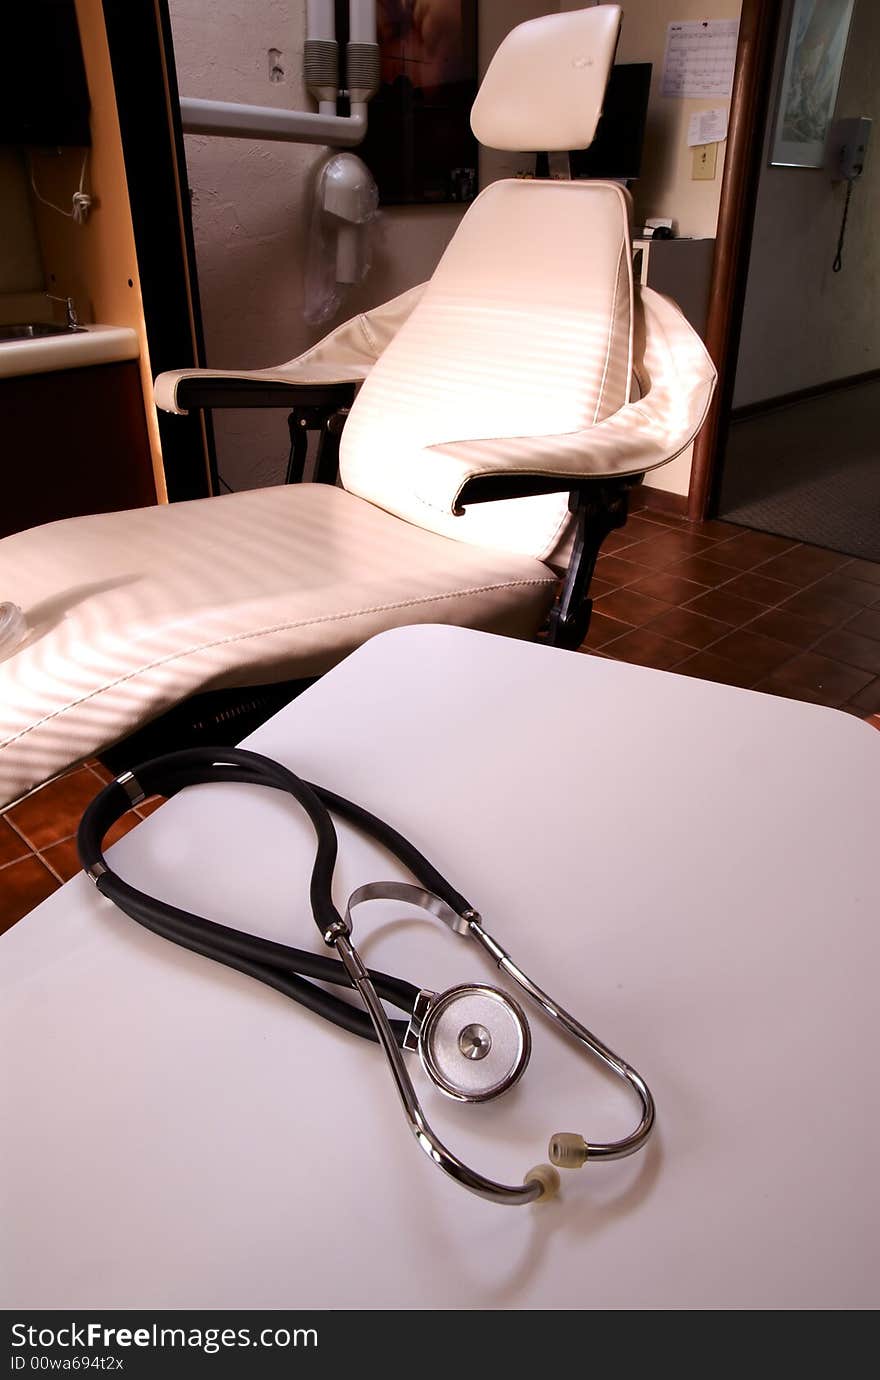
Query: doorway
801,456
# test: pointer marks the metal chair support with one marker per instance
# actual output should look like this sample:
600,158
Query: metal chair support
328,420
599,507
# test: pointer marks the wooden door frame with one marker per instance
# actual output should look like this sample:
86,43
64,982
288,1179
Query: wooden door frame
749,105
145,81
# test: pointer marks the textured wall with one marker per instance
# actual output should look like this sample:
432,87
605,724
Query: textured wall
251,205
804,325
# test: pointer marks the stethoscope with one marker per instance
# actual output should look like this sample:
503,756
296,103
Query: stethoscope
473,1040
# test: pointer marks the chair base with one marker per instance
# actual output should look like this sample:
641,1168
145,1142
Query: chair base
217,717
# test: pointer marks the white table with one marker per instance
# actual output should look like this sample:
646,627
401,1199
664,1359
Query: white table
692,869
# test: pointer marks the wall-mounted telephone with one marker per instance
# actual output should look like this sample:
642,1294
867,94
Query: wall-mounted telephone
847,150
847,147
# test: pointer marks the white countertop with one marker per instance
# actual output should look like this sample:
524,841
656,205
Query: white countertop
689,868
93,345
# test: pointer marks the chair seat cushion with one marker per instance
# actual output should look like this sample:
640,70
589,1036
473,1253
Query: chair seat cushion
159,603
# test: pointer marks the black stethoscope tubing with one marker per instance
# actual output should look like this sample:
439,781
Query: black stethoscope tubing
281,966
296,972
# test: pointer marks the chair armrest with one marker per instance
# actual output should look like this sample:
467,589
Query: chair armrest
344,357
677,379
207,390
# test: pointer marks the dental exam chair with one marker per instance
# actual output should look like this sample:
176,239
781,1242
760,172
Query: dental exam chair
504,410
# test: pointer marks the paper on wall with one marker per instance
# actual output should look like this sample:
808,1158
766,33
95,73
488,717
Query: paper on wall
700,56
707,127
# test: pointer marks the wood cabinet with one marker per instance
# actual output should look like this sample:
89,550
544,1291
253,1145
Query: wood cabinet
680,269
74,441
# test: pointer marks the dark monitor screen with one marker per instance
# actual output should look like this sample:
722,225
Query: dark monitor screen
616,150
44,99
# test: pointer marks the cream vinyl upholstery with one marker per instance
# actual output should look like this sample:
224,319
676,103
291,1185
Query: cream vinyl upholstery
519,357
130,613
346,355
676,379
557,66
506,339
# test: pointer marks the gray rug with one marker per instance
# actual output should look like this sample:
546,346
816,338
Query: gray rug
810,471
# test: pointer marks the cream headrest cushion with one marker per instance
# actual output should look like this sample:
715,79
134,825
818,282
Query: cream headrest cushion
546,83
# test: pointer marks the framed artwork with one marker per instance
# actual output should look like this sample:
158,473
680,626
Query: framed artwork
808,91
419,145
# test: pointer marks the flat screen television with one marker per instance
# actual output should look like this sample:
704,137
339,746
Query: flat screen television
44,99
616,150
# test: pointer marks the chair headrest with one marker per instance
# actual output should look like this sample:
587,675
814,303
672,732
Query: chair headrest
545,85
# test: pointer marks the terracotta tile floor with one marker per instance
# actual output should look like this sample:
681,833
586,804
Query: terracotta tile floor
715,601
728,604
37,839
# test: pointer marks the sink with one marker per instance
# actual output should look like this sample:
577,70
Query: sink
37,330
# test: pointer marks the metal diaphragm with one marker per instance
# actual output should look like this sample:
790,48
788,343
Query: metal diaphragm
474,1042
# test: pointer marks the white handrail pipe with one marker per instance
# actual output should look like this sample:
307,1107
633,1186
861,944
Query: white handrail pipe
234,121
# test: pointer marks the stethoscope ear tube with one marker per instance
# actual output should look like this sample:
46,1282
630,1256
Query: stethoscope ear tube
278,965
295,972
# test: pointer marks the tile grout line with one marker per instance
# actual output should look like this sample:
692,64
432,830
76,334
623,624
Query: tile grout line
40,853
33,851
48,865
12,861
21,834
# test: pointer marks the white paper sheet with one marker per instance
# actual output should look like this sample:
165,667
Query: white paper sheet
707,126
700,56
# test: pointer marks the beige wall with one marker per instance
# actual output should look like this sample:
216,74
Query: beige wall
251,203
666,187
803,324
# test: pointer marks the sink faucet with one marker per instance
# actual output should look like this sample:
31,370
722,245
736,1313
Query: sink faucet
69,308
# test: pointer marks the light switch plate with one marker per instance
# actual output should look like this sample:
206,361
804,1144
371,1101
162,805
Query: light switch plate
705,160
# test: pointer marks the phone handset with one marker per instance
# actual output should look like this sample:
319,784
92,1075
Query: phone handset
848,146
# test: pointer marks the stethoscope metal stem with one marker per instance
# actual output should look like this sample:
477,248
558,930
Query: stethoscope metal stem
614,1150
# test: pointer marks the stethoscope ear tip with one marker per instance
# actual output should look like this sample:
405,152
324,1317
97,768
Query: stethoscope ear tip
548,1180
568,1150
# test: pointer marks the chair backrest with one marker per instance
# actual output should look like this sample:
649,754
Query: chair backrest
524,329
526,326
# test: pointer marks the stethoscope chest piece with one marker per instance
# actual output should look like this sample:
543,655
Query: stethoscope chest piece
473,1041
